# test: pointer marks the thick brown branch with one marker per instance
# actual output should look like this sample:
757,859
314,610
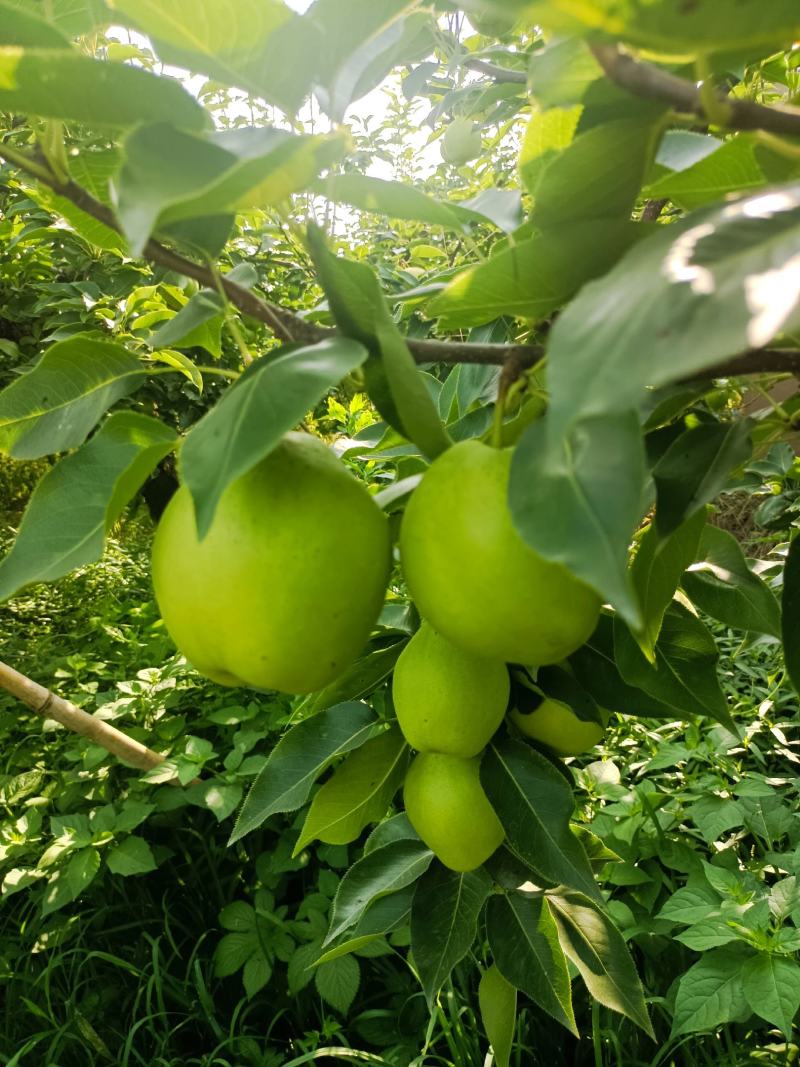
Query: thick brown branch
757,361
643,79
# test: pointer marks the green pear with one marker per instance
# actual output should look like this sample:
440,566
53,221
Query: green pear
556,725
461,142
447,699
474,578
284,589
448,808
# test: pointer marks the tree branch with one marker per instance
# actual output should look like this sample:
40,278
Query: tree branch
500,74
289,326
643,79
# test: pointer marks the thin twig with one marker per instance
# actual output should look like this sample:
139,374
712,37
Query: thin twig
644,79
500,74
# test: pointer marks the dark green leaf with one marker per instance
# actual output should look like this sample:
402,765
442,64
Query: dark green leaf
711,992
772,988
535,804
301,755
524,943
790,605
360,679
444,922
254,415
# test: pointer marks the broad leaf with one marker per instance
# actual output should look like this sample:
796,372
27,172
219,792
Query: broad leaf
301,755
385,914
578,501
131,856
54,407
535,804
377,874
444,922
69,881
523,939
697,292
337,982
398,200
657,571
790,607
79,500
498,1003
684,674
393,381
561,72
197,323
595,946
255,413
696,467
60,84
732,168
772,988
360,679
24,29
723,586
711,992
358,792
534,277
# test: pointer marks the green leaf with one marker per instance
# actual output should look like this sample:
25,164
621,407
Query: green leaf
233,951
393,381
259,46
358,792
696,292
548,133
59,84
69,881
24,29
523,939
498,1004
385,914
696,467
131,856
398,200
53,407
257,972
657,570
671,26
169,176
377,874
714,815
561,72
534,277
732,168
301,755
72,17
337,982
578,500
93,170
596,669
360,679
684,674
535,804
790,606
772,988
595,946
711,992
254,414
79,500
444,922
722,585
197,323
690,904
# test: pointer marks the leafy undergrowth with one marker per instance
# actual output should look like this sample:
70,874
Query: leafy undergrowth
130,933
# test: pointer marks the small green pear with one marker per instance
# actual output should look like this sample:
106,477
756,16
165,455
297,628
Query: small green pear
285,587
474,578
556,725
448,808
461,142
447,699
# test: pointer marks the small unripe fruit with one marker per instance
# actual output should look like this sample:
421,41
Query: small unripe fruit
448,808
461,142
447,699
556,725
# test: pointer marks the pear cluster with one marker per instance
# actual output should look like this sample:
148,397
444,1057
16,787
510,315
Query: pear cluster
488,599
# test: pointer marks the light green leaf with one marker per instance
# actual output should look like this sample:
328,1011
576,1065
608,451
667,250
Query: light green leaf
523,939
597,948
253,416
24,29
561,72
498,1004
711,992
199,322
772,988
732,168
547,135
131,856
358,792
444,922
398,200
53,407
60,84
299,758
69,881
79,500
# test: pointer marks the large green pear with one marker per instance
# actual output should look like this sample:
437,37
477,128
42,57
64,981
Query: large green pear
447,699
557,726
285,587
474,578
448,808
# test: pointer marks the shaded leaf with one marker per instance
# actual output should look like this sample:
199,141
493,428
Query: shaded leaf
711,992
498,1003
772,988
790,605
